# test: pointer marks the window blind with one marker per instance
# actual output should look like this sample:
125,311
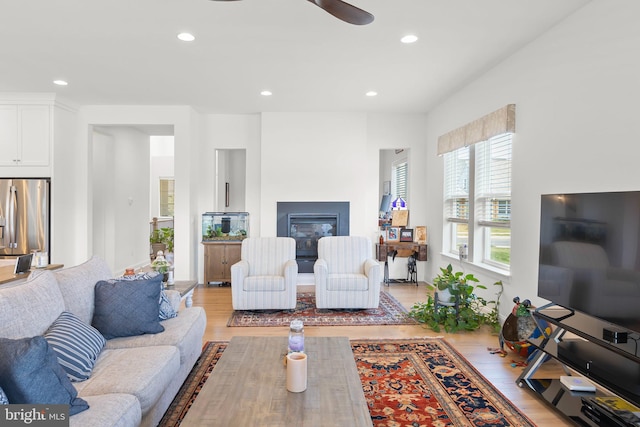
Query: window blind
400,174
493,181
456,183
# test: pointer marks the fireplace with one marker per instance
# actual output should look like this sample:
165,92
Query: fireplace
307,222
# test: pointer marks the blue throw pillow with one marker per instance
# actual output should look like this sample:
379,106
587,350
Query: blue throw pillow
77,345
123,310
166,309
30,374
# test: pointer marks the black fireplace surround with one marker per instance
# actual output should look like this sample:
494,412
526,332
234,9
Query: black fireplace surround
307,222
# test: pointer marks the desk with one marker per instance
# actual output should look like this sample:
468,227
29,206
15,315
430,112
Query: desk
7,275
402,250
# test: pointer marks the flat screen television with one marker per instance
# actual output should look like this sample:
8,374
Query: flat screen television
590,254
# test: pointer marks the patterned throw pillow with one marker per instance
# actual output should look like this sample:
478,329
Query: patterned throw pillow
3,398
166,309
77,345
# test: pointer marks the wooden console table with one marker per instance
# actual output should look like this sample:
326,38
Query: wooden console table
402,250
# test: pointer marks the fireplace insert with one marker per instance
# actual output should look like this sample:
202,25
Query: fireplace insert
307,222
307,229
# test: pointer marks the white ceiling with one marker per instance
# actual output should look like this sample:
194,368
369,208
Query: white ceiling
125,52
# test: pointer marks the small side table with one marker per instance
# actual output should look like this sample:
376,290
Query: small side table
185,287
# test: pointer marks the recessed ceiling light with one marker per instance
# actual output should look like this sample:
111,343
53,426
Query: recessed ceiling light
409,38
266,93
372,93
60,82
186,37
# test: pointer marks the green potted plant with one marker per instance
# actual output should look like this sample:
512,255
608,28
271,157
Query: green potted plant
167,238
157,242
454,285
460,309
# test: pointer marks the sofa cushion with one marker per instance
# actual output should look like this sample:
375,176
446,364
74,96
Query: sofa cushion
77,286
110,409
184,332
29,308
30,373
3,398
123,309
144,372
76,344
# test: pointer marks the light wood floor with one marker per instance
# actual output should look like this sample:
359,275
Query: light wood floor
217,303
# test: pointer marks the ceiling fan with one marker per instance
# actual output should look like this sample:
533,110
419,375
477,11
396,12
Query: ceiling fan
341,10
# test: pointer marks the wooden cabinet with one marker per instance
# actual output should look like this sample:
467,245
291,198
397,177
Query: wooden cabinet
218,259
25,135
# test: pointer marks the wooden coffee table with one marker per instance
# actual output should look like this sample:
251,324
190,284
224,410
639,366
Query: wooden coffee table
248,387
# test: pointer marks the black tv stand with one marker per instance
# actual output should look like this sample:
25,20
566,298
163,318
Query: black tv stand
577,343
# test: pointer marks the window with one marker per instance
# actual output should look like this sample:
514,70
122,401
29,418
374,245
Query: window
166,197
456,196
400,179
477,200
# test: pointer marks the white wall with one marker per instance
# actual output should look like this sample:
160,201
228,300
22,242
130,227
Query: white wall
311,157
316,157
576,90
121,190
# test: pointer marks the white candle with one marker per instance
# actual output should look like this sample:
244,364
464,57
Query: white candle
296,372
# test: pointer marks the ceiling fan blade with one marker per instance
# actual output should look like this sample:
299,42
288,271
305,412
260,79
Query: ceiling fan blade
345,11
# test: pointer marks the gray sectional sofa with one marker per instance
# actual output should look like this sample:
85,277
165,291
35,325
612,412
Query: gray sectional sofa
135,378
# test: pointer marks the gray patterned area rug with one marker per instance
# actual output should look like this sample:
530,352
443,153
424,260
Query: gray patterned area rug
389,312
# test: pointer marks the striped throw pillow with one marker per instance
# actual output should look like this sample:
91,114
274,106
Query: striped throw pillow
76,344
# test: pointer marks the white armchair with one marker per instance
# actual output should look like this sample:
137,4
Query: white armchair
266,276
346,274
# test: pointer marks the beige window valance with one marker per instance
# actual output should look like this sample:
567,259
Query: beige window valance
496,123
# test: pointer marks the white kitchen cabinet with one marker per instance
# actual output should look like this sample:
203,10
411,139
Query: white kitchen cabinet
25,135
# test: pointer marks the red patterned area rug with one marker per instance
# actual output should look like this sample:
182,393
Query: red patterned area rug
389,312
417,382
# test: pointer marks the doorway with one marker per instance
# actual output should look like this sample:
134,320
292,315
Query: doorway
121,192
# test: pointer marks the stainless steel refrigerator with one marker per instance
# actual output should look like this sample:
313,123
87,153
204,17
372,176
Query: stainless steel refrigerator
24,216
